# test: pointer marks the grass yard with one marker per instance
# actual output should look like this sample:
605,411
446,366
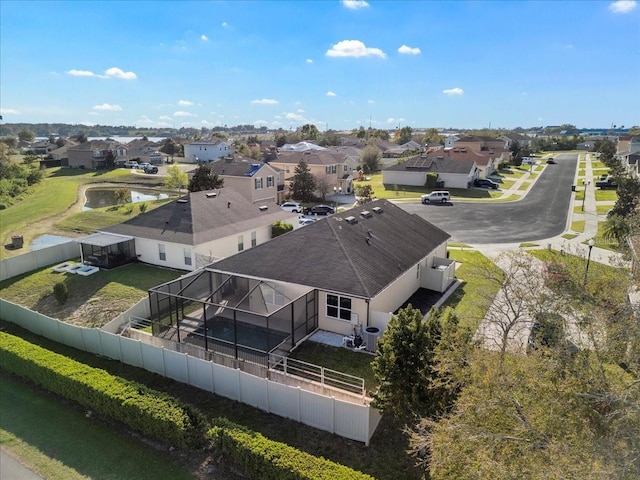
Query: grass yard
603,209
577,225
580,194
524,185
597,164
569,236
60,442
606,195
603,242
55,195
93,301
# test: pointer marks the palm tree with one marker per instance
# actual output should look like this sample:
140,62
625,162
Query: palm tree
616,227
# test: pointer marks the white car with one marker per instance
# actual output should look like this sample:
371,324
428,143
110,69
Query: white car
305,221
291,207
145,165
437,196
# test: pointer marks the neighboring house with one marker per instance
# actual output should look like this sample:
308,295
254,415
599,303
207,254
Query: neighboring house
206,150
333,168
628,152
93,154
479,143
453,171
300,147
342,274
510,138
257,181
451,140
200,228
42,147
353,154
402,150
145,151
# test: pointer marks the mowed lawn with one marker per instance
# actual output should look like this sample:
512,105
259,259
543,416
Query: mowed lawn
61,442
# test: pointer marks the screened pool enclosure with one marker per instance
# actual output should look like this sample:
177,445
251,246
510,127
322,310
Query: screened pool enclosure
241,317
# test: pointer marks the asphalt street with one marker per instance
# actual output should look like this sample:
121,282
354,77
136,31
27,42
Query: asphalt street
541,214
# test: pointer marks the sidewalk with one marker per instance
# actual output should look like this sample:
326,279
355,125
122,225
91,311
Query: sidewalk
575,245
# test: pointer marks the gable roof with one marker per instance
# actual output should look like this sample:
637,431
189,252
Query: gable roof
437,162
91,145
334,254
201,217
237,168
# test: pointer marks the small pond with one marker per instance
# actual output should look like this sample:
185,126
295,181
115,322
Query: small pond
106,197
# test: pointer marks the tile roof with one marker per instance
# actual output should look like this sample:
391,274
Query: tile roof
358,259
200,217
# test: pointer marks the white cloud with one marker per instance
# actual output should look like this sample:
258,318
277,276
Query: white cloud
165,117
395,120
331,94
182,114
409,50
185,103
623,6
260,122
278,117
371,101
105,107
309,60
118,73
204,38
265,101
354,48
224,24
82,73
113,72
9,111
453,91
300,110
355,4
294,116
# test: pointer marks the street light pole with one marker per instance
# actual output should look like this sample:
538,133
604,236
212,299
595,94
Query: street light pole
586,271
586,184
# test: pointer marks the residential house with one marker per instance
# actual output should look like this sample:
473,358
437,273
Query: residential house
93,154
144,151
481,143
454,171
510,138
451,140
257,181
332,168
353,154
628,151
345,273
201,227
300,147
206,150
403,150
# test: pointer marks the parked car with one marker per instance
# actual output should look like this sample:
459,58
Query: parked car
528,161
321,210
145,165
551,161
608,183
485,182
131,164
291,207
437,196
150,169
305,221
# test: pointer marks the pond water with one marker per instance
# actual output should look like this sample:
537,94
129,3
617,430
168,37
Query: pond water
48,240
105,197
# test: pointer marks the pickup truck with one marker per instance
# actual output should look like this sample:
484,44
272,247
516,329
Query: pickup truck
131,164
608,183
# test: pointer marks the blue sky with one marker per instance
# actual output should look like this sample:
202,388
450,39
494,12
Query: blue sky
336,64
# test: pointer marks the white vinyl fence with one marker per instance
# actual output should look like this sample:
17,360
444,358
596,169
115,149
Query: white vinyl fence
29,261
344,418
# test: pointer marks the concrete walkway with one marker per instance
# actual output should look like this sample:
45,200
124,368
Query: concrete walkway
12,469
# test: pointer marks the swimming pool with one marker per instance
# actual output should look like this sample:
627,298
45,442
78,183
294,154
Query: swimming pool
252,336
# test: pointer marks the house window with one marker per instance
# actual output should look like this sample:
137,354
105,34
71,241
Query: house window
258,182
339,307
254,240
162,253
187,256
270,181
240,243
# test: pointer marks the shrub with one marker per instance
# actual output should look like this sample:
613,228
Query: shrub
143,207
266,459
432,178
278,228
60,292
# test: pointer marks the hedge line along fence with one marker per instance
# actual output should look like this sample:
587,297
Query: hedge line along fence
159,416
152,413
266,459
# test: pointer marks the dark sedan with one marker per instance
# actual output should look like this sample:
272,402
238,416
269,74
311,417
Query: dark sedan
485,182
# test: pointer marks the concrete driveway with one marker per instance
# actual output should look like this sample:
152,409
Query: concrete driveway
541,214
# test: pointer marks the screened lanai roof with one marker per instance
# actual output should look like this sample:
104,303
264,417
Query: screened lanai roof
102,239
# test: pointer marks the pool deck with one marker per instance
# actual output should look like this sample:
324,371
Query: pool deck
327,338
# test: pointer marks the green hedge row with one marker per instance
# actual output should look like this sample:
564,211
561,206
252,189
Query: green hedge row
157,415
147,411
266,459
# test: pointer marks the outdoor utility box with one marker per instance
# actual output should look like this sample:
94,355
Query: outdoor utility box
17,241
371,338
573,188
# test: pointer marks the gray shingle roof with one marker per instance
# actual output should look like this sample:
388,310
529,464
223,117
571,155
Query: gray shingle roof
198,218
437,162
311,157
358,259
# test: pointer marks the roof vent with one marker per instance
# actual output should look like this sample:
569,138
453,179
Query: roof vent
182,200
351,220
212,195
262,208
377,209
366,214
